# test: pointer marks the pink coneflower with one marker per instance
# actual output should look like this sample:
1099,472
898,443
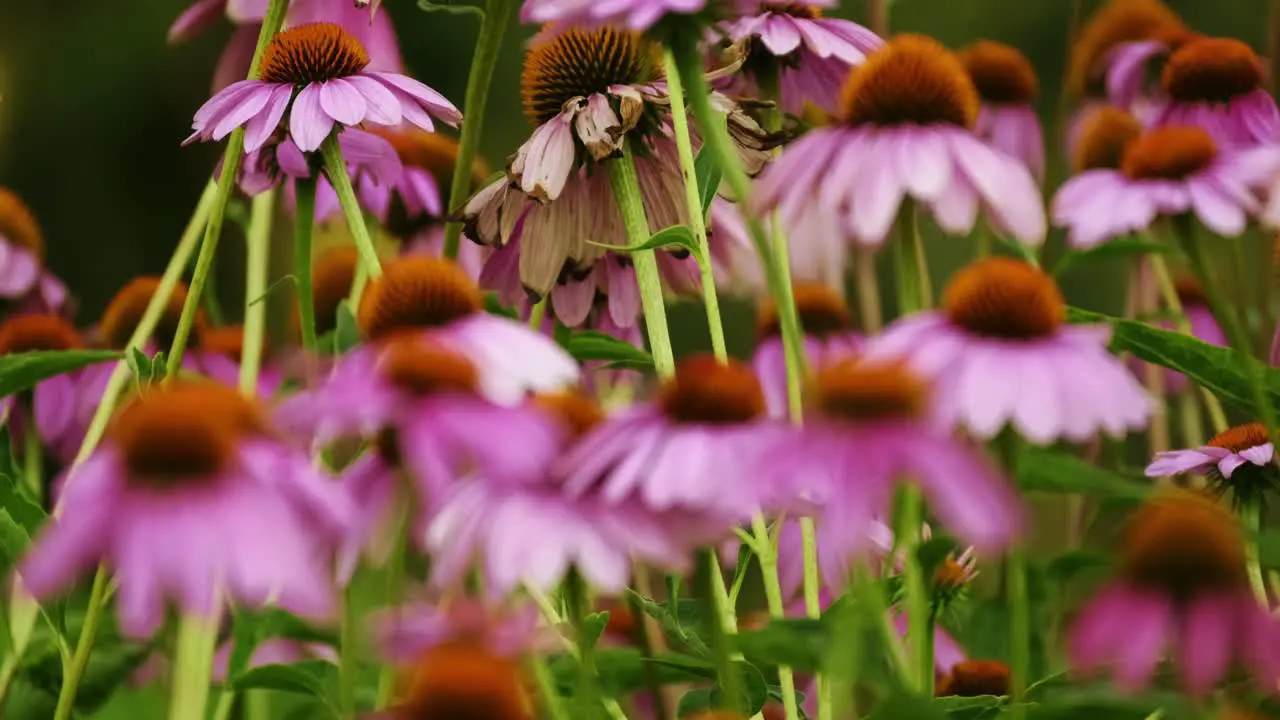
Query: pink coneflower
327,69
1007,86
216,355
834,562
974,678
908,116
404,633
271,651
1114,24
1168,170
828,335
818,253
1213,83
1181,590
52,404
1240,460
870,426
190,501
999,354
24,280
637,15
1103,138
586,92
1204,326
809,54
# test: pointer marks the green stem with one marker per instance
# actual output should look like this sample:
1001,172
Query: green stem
197,637
813,605
626,189
497,15
871,597
1169,293
33,461
395,584
767,553
538,314
74,671
913,275
693,198
721,626
231,160
255,290
1251,519
336,168
919,612
869,310
348,650
547,687
1019,601
578,606
304,225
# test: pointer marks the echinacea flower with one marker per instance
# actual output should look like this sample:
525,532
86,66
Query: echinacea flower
637,15
906,132
1181,591
51,408
810,55
318,74
1007,86
1103,136
461,679
1167,171
1217,84
1204,327
834,562
1112,25
819,259
217,353
403,633
828,335
332,272
192,501
24,280
1240,460
587,92
999,353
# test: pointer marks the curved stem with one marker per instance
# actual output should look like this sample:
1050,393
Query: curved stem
497,15
721,627
1251,519
626,190
1169,293
336,168
33,461
304,224
766,552
84,648
693,198
255,290
1019,601
868,286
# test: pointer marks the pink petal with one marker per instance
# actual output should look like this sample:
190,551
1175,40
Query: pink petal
342,101
308,125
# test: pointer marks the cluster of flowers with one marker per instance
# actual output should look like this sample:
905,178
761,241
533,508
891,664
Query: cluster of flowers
475,439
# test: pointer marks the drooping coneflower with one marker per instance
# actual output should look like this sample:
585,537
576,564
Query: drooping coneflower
1239,460
23,277
974,678
463,680
377,35
908,116
1000,354
1104,136
1007,86
1114,24
586,92
1167,171
191,500
809,55
828,335
318,74
1181,592
125,311
1217,84
56,407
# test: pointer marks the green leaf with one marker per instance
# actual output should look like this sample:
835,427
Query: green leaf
745,554
14,540
707,167
1121,248
586,345
1048,470
622,670
593,627
17,501
754,691
695,701
676,235
347,332
21,371
313,677
801,643
904,705
681,628
109,666
447,6
981,707
494,306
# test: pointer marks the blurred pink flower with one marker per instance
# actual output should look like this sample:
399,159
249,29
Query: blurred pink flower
1007,84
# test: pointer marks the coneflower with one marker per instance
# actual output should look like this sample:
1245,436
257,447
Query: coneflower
1238,460
829,335
24,280
1007,86
55,406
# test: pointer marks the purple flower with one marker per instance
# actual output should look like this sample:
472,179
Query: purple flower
272,651
191,501
834,560
405,633
318,73
1113,24
812,54
1240,459
1181,591
828,336
371,161
216,355
429,242
629,14
53,403
23,277
1204,327
999,354
906,132
1167,171
1007,84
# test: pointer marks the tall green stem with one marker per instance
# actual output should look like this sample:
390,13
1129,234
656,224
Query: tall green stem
1169,293
547,688
721,625
305,221
497,15
255,290
348,667
693,198
768,556
578,604
336,168
626,189
1019,602
919,614
1251,519
231,160
74,671
33,460
197,636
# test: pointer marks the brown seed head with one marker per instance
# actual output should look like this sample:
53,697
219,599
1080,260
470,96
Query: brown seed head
579,63
417,292
973,678
183,430
866,391
27,333
312,53
1169,152
577,412
464,681
1181,544
126,309
1241,437
1002,74
421,367
1212,70
1106,134
1004,298
18,225
822,312
912,79
1117,22
703,391
331,276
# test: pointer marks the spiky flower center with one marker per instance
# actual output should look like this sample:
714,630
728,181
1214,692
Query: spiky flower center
1241,438
27,333
18,225
1117,22
126,309
184,431
421,367
864,391
802,10
1169,152
1212,70
417,292
579,63
704,391
1001,73
331,277
577,412
822,312
464,681
911,80
1182,544
1107,134
1006,299
311,53
975,678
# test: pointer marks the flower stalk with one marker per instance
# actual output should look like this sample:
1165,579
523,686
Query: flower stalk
197,637
336,168
1019,601
721,625
255,301
767,553
304,225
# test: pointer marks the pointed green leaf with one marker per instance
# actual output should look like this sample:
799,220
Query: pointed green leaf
21,371
707,167
1056,471
593,627
16,500
446,6
313,677
14,540
586,345
802,644
675,236
1120,248
347,333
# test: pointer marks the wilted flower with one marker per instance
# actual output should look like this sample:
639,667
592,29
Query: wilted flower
23,277
828,335
1240,460
1007,86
